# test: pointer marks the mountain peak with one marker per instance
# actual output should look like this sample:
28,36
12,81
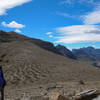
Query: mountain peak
90,47
89,53
65,52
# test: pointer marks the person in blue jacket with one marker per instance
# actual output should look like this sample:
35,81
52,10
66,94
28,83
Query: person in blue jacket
2,83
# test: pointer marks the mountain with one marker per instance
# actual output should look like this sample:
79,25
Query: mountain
13,36
27,60
88,53
65,52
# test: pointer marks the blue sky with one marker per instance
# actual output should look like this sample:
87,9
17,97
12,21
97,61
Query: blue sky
72,23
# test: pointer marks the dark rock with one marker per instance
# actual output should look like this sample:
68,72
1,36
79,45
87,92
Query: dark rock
65,52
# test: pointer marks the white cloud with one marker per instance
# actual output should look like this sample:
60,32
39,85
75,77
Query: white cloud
50,36
88,32
13,24
48,33
92,18
79,33
65,14
8,4
17,30
70,2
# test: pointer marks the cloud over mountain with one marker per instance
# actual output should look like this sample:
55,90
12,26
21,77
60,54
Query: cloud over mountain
13,24
89,31
79,34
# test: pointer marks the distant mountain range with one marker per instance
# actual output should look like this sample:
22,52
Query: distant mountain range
85,53
28,60
88,53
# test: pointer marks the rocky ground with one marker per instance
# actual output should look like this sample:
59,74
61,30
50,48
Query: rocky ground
49,91
35,70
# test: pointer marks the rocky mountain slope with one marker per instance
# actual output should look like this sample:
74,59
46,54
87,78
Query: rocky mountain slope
12,36
26,60
65,52
89,53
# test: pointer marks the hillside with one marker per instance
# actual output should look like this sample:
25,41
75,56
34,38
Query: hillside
13,36
26,61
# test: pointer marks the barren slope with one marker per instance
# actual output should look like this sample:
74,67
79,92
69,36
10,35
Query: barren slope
25,62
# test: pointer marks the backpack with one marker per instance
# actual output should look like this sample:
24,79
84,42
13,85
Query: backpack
2,80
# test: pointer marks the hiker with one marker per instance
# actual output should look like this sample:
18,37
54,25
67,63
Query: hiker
2,83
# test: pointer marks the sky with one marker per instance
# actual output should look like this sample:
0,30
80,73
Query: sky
72,23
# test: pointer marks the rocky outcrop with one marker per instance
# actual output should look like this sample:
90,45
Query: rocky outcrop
89,95
65,52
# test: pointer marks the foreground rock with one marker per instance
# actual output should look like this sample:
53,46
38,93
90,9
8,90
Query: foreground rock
90,95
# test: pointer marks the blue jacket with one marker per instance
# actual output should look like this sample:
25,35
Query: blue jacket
2,80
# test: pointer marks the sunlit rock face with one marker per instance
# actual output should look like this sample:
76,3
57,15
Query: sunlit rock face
98,98
90,95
